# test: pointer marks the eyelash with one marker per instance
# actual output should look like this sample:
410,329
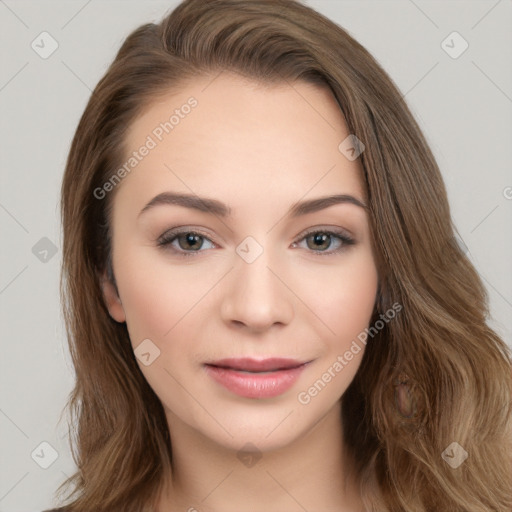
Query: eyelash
165,240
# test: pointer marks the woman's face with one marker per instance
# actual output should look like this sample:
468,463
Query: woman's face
215,287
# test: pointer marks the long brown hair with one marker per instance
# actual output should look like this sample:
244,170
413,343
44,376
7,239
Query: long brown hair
434,376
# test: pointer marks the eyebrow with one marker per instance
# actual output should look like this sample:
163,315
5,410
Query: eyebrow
215,207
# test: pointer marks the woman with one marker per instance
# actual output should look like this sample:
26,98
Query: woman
266,305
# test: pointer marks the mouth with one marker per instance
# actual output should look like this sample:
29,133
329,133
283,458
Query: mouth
252,378
246,364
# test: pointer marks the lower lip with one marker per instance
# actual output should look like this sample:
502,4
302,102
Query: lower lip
256,385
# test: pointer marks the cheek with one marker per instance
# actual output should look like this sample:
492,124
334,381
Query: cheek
156,296
342,296
335,296
344,306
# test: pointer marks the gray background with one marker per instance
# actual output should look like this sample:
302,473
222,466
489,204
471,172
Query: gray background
463,105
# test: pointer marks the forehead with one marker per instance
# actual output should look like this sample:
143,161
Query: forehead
217,134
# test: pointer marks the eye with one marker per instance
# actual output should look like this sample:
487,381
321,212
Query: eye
185,242
322,241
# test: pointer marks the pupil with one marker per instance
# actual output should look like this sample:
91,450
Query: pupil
320,239
191,239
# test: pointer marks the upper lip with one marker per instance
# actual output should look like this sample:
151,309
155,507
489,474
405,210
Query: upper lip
257,365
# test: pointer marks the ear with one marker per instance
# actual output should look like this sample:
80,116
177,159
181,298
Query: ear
112,300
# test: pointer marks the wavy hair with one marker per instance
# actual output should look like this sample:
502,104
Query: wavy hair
435,375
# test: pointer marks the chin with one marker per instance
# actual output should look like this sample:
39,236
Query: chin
261,425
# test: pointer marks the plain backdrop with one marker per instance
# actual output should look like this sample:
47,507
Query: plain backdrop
461,99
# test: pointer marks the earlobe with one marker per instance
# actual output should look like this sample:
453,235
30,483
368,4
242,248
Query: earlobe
112,300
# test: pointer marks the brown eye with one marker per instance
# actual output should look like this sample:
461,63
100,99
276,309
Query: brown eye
184,242
191,241
326,242
319,241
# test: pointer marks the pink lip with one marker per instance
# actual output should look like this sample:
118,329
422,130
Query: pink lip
253,378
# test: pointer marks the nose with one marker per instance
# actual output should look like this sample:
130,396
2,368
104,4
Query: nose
255,297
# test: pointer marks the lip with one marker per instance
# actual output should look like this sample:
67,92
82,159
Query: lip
256,378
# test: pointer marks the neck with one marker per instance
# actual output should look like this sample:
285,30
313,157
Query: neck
311,473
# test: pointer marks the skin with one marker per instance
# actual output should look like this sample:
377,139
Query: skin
258,149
